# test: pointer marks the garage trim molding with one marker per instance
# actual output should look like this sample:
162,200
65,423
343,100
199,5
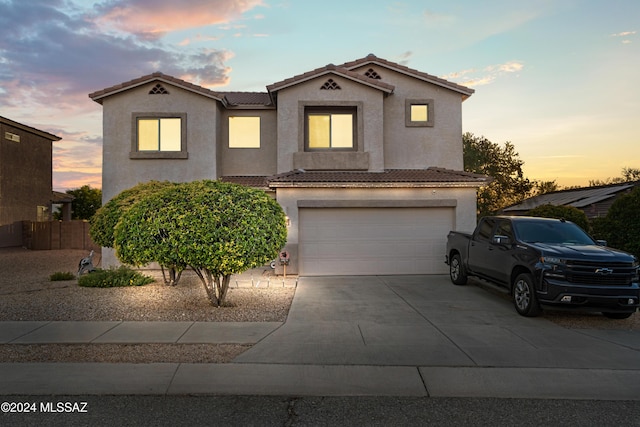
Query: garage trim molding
438,203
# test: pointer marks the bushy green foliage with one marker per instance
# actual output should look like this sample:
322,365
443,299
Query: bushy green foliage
103,223
621,227
569,213
60,276
509,186
115,277
86,201
216,228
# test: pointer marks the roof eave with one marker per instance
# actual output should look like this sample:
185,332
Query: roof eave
30,129
452,184
100,95
272,89
371,59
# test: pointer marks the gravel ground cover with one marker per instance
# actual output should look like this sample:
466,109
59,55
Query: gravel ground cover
26,293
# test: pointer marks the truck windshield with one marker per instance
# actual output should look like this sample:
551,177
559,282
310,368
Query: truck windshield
552,232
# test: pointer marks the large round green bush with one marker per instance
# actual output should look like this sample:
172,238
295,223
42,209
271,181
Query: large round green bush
216,228
103,223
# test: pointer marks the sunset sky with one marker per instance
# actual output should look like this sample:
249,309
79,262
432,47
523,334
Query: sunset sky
557,78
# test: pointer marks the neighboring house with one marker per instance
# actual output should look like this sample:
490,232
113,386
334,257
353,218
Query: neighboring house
365,158
593,201
25,178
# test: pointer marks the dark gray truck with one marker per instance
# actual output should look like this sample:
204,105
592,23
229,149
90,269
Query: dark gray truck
546,262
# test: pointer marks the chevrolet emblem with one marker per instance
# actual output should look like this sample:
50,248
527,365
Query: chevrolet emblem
604,271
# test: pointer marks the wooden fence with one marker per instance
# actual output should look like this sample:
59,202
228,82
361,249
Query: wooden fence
51,235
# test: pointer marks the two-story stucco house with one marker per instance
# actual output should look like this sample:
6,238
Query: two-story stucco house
365,158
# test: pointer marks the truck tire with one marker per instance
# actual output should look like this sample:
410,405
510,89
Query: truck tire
456,271
524,296
617,315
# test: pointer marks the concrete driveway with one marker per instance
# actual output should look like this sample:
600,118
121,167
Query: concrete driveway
462,341
427,321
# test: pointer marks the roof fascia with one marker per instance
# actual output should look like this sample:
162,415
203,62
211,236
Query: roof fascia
100,97
407,72
373,84
30,129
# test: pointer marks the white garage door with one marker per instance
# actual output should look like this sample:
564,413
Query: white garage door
373,241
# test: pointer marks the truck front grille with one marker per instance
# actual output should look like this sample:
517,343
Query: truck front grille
614,274
593,279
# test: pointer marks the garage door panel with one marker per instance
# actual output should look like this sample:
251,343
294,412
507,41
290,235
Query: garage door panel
373,241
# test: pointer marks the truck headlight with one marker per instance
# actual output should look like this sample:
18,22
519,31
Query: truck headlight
554,267
552,260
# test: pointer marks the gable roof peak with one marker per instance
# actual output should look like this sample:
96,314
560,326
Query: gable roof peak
372,59
99,96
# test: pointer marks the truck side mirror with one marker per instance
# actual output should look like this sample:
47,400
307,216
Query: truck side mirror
601,242
501,240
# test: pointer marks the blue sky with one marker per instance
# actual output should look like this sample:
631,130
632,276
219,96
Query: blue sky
556,78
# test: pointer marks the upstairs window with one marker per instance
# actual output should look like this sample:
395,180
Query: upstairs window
159,136
244,132
330,129
419,112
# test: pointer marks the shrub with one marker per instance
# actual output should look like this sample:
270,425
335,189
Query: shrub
621,227
216,228
114,277
106,218
569,213
59,276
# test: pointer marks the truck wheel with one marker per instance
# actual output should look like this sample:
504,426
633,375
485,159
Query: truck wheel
524,296
456,271
618,315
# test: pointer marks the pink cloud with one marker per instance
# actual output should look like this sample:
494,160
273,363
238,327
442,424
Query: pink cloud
153,18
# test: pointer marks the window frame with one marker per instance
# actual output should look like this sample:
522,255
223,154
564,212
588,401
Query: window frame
430,112
329,110
136,153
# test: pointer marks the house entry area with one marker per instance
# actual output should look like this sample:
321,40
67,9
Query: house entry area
373,241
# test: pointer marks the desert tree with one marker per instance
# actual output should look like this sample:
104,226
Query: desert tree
502,163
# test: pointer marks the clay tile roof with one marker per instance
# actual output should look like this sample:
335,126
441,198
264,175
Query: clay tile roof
248,181
371,58
98,96
391,176
248,98
330,68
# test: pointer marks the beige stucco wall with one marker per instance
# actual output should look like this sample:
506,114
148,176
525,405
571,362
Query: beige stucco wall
420,147
291,102
249,161
119,172
463,198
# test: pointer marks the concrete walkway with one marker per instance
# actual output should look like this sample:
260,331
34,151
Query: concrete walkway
345,336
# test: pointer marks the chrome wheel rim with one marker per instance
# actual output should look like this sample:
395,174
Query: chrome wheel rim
455,269
522,295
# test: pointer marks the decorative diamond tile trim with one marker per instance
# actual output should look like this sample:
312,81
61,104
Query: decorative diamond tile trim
372,74
330,85
158,90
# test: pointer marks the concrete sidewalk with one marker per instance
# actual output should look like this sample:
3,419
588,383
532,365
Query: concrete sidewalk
346,336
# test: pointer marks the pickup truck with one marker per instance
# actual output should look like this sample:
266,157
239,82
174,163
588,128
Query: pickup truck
546,262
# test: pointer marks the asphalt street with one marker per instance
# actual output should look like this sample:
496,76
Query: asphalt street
322,411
